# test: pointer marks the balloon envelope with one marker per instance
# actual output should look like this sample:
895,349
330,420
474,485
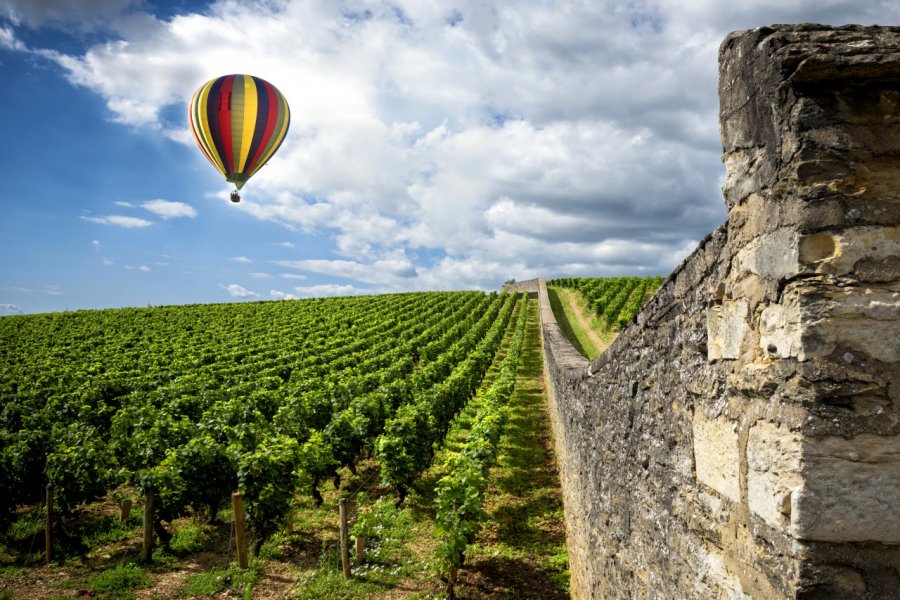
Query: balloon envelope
239,121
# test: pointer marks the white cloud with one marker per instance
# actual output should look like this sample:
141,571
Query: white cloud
120,221
10,309
279,295
393,269
168,209
260,276
237,291
319,291
124,204
8,39
141,268
511,140
241,259
294,276
96,245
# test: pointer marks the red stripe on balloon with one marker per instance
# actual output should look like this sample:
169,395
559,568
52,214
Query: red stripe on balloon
224,100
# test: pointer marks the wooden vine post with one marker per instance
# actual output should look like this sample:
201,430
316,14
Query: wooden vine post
125,509
240,537
360,549
147,554
48,525
345,538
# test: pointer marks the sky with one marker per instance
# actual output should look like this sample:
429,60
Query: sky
434,145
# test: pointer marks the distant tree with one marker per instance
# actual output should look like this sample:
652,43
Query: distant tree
510,281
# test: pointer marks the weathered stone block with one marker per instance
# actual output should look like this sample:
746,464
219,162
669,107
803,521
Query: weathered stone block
717,456
715,580
780,330
850,490
838,253
814,319
773,472
726,326
773,255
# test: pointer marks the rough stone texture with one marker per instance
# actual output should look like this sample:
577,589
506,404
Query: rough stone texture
773,472
829,505
741,438
717,455
530,286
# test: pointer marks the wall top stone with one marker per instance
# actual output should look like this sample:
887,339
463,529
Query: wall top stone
797,102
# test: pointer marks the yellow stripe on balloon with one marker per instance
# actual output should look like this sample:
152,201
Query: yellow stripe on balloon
251,108
196,128
205,132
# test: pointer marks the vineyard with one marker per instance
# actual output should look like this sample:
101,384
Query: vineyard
613,300
189,404
176,408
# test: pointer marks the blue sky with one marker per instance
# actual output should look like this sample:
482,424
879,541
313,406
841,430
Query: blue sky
440,145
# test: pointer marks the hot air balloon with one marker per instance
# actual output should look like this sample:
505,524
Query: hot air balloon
239,121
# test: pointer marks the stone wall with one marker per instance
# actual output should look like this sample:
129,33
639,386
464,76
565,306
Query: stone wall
741,438
530,286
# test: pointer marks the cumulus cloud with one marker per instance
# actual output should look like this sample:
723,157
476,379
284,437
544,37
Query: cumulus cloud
10,309
441,145
323,290
238,291
394,268
279,295
167,209
119,221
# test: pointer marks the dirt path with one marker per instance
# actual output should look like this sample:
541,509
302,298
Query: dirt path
571,299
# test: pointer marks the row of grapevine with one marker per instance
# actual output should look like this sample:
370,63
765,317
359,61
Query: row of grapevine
615,300
406,447
194,402
67,426
460,494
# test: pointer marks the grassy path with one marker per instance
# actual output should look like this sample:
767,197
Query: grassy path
578,324
520,552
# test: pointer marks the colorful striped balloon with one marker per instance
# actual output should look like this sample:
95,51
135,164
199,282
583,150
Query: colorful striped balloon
239,121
